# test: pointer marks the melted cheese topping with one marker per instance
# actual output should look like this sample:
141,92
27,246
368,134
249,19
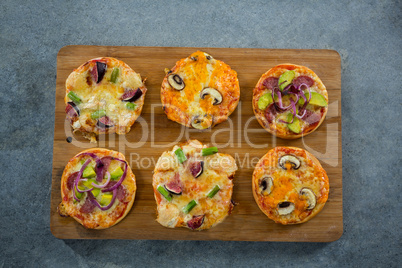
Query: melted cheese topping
199,71
287,184
218,170
98,219
279,128
104,96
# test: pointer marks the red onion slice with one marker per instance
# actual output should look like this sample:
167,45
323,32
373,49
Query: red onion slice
121,179
306,102
95,202
280,104
104,185
301,116
102,167
79,177
293,104
83,191
98,167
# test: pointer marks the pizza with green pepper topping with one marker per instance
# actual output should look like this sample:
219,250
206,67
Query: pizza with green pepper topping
290,101
104,95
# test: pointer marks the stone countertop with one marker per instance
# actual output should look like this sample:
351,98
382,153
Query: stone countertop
368,36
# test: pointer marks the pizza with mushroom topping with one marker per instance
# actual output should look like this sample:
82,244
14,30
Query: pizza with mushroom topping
193,186
97,188
289,185
290,101
200,91
104,95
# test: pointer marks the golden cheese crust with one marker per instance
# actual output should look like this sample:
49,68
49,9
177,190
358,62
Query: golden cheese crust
211,91
286,193
101,84
274,125
84,211
216,170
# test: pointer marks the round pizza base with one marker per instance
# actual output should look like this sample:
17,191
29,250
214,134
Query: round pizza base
269,159
80,79
218,169
260,90
199,71
100,152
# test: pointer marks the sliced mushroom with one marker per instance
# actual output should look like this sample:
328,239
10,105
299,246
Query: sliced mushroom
213,93
266,185
293,160
176,82
209,57
311,199
196,168
285,208
202,122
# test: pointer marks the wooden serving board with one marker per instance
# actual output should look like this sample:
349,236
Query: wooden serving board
241,136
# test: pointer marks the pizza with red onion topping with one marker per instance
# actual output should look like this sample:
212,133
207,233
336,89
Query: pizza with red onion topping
97,188
104,95
290,101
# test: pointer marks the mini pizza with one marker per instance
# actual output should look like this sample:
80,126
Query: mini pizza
103,95
97,188
193,186
290,101
200,91
289,185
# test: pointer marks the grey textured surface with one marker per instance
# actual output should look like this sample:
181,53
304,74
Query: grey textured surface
367,34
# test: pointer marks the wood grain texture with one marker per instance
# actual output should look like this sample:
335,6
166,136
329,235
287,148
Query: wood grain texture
241,136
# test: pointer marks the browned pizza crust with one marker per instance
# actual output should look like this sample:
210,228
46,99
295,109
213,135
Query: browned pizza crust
207,93
274,186
268,118
96,219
